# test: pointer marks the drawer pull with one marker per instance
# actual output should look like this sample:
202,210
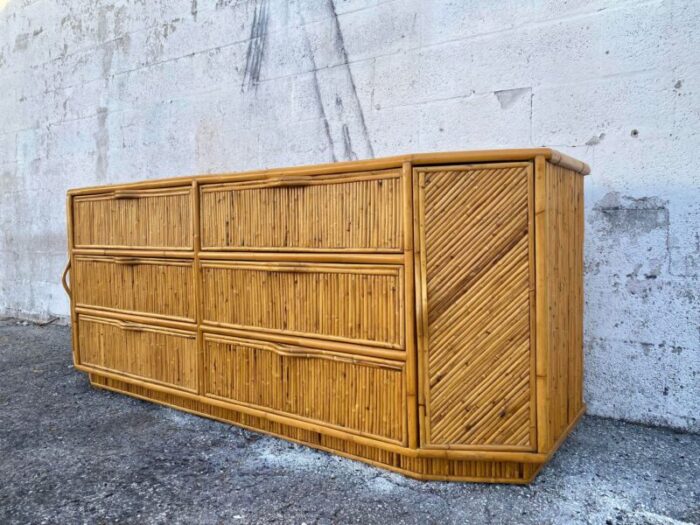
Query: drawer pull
127,261
284,352
290,182
64,280
131,327
126,194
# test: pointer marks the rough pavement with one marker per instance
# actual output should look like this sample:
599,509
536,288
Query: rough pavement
70,453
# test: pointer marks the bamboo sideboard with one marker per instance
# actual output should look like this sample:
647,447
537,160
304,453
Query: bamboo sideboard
421,313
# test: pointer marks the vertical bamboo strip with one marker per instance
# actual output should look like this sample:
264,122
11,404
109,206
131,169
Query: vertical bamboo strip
202,364
542,308
71,257
410,344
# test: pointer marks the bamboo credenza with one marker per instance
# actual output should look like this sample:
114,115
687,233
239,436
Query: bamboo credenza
421,313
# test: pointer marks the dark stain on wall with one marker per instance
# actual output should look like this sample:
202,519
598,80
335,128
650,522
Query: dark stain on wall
347,143
101,145
256,46
339,44
629,214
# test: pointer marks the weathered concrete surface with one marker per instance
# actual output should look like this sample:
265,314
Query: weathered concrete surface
72,454
113,90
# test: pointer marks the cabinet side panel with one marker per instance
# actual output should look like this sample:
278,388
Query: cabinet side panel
476,244
564,260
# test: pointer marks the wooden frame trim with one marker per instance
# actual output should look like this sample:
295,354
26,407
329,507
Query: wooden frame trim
292,350
71,260
135,259
411,390
306,257
421,301
532,261
524,154
197,275
569,428
422,477
310,180
114,313
541,308
350,349
321,344
136,318
476,455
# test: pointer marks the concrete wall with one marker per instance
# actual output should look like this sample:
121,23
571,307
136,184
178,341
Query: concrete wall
99,92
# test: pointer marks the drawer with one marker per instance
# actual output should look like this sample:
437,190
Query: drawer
160,355
356,303
159,218
365,396
157,287
351,212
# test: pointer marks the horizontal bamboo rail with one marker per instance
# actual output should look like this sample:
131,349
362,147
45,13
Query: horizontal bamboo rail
341,434
419,159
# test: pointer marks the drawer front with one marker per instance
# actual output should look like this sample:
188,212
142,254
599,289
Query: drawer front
158,287
476,245
364,396
345,302
352,212
160,355
145,219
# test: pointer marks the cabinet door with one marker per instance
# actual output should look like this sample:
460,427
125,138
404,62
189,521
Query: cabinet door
475,286
137,219
355,212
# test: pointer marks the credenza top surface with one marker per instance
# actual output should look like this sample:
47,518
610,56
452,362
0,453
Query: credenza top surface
416,160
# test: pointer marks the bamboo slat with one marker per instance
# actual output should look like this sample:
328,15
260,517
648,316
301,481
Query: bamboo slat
422,313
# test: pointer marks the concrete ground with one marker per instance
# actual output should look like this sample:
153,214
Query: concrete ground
69,454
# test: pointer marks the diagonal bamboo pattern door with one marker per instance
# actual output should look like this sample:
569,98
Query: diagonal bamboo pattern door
475,244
